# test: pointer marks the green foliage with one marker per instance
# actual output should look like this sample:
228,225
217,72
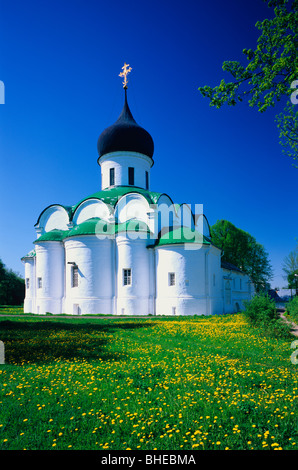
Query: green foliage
260,309
242,249
271,69
290,268
12,287
293,280
287,122
292,309
261,312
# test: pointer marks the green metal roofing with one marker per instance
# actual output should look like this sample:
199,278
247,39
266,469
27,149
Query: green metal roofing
133,225
111,196
95,226
182,235
53,235
91,227
31,254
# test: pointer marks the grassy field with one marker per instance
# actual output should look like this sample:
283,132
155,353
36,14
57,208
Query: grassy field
145,383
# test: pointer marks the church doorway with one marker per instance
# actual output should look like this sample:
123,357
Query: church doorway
76,309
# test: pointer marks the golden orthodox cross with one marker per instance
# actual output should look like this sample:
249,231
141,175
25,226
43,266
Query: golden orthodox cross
126,69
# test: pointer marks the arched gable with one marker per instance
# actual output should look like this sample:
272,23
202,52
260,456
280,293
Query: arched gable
132,206
90,209
166,213
54,217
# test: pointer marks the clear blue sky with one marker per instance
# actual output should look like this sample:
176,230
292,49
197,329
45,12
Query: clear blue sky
60,62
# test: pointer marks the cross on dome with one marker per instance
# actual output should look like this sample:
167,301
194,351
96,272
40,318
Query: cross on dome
126,70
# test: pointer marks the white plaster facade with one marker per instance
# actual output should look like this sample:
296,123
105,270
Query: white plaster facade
126,250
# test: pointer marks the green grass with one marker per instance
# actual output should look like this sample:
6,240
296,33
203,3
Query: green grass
145,383
12,310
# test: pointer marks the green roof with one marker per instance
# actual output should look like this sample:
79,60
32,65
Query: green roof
91,227
53,235
111,196
95,226
133,225
31,254
182,235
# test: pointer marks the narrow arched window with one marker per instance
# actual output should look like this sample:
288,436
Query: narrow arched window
112,176
131,176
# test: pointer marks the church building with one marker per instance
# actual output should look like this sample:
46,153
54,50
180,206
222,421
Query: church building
128,250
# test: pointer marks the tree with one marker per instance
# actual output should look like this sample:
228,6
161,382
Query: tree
287,122
241,249
271,70
12,287
290,268
293,281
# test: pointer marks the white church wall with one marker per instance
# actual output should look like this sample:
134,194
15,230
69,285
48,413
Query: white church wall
95,290
134,295
241,290
49,277
187,294
237,288
89,209
29,302
215,281
121,161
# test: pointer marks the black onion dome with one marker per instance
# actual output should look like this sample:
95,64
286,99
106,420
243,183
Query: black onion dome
125,135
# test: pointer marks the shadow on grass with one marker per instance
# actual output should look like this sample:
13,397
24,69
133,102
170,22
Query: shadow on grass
34,342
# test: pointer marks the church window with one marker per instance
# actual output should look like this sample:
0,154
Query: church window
112,176
147,180
240,284
213,280
126,277
39,282
131,176
171,279
74,276
27,282
228,293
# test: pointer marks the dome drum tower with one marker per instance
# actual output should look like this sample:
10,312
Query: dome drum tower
125,152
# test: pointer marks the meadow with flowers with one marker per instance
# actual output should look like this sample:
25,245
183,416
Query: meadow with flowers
145,383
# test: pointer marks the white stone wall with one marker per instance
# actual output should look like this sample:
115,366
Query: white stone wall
134,299
29,302
95,261
50,269
215,281
188,295
236,287
201,286
121,161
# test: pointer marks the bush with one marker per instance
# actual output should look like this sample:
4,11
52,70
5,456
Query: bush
261,309
292,309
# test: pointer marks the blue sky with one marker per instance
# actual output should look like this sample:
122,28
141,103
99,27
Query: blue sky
60,62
